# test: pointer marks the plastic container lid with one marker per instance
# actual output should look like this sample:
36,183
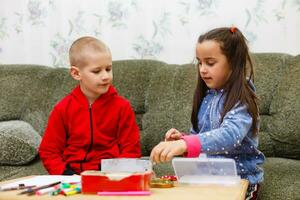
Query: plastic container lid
204,170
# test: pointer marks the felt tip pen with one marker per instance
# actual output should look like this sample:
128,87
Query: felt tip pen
72,192
64,190
125,193
31,191
47,190
56,192
20,187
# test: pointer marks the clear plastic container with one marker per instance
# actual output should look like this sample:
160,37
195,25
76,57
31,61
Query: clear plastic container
204,170
125,165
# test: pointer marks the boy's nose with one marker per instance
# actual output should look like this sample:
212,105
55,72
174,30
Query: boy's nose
105,75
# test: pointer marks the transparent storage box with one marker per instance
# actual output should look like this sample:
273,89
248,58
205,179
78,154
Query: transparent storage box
205,170
125,165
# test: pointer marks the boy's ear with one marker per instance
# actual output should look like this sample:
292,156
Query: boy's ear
74,71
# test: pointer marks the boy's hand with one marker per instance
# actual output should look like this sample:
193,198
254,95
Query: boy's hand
172,134
165,151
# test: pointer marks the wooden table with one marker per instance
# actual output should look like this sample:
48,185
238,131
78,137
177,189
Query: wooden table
179,192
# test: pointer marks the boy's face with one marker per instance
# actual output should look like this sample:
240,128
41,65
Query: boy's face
96,76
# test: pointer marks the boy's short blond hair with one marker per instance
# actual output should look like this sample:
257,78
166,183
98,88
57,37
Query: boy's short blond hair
83,48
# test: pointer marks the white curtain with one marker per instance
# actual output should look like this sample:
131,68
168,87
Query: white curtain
41,31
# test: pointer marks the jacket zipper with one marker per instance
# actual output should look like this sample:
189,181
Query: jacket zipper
92,137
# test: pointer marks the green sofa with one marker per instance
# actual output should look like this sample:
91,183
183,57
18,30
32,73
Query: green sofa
161,95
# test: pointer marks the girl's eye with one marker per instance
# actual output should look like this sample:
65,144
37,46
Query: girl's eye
210,64
108,69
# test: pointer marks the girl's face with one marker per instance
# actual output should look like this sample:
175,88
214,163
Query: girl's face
213,65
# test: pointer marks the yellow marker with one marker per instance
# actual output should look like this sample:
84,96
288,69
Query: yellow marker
72,192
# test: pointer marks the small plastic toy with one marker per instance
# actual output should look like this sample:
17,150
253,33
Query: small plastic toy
161,183
169,177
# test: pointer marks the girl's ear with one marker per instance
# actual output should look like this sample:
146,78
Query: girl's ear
74,71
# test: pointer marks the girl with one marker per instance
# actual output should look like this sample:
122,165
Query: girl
225,118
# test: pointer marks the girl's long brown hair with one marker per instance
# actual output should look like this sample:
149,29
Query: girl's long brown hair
234,46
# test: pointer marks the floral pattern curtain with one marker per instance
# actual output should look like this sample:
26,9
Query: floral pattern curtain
41,31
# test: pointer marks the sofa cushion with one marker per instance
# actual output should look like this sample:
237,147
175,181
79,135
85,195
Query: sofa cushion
131,79
35,167
285,109
14,87
168,102
27,93
281,179
268,70
18,142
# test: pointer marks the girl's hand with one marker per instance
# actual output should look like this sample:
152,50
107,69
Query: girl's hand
165,151
172,134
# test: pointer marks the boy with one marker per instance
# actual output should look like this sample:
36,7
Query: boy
92,122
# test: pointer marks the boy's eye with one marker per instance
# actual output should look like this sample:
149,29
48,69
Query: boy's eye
108,69
96,71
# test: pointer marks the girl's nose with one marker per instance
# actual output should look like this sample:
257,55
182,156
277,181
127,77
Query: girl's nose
202,69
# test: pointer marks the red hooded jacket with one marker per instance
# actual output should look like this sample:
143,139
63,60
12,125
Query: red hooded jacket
80,135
